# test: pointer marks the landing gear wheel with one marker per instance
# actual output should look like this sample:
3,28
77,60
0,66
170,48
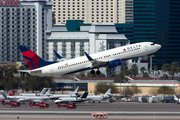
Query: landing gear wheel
98,72
92,72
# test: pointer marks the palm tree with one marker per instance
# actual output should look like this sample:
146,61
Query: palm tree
134,70
142,70
108,71
174,69
165,68
22,77
156,72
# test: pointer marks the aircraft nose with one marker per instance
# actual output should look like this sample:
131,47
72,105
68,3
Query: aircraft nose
158,46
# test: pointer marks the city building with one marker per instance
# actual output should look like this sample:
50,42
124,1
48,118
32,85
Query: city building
93,11
24,22
146,85
158,21
85,83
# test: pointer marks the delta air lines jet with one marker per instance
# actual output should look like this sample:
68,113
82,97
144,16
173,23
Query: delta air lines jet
109,58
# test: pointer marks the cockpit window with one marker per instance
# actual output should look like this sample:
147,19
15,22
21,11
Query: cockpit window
152,44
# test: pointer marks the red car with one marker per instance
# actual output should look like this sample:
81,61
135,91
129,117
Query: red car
40,104
12,103
69,105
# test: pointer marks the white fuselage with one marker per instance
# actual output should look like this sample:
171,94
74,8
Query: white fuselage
28,98
56,96
70,99
82,63
97,97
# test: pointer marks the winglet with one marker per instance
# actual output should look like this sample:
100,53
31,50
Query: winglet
57,55
89,58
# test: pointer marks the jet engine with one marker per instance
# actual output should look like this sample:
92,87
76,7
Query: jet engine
114,63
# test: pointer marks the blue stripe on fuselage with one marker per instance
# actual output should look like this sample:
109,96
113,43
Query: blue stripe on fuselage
78,70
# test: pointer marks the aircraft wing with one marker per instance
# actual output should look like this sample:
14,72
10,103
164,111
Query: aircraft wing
113,98
96,63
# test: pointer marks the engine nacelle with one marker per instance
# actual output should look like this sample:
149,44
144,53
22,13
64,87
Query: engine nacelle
114,63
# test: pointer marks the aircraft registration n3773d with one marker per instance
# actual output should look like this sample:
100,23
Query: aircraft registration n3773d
109,58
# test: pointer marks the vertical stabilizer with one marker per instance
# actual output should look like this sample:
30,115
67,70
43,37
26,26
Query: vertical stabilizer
48,92
3,94
12,93
33,61
43,91
85,94
108,92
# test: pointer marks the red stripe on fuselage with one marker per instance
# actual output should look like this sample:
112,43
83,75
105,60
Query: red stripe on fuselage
33,56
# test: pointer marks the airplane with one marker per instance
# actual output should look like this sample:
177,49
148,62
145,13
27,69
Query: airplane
72,99
34,94
24,98
176,99
109,58
12,93
56,96
99,98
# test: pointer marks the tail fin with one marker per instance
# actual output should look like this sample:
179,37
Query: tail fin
48,92
43,91
75,92
108,92
33,61
85,94
3,94
12,93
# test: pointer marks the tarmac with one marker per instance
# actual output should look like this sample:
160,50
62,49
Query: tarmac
116,111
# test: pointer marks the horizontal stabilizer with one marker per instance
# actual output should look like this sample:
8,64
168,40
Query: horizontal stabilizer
26,71
57,55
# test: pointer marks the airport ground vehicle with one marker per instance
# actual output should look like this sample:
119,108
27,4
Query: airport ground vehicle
40,104
12,103
68,105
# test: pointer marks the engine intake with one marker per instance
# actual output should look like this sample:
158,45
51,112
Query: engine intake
114,63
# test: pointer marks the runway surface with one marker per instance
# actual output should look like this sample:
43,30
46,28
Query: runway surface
116,111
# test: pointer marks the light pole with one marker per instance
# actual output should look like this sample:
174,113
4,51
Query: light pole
120,89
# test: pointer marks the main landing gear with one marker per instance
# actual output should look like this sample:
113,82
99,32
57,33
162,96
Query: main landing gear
97,72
